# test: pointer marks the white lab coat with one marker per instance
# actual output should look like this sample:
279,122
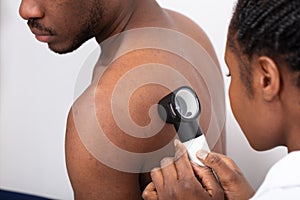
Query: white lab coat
282,181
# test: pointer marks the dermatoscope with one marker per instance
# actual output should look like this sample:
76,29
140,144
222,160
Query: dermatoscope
182,108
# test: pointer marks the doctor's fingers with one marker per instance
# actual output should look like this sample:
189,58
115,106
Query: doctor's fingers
150,192
225,168
209,181
233,181
182,163
167,174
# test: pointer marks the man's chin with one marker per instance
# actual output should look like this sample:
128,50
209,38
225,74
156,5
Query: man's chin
60,50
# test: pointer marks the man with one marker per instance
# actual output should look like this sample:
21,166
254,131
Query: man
109,122
262,55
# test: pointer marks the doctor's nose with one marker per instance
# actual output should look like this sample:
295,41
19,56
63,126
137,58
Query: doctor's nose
31,9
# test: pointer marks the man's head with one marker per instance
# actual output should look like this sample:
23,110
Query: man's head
263,56
65,24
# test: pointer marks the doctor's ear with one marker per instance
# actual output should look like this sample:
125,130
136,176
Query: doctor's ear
269,78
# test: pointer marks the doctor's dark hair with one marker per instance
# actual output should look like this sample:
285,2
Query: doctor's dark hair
266,28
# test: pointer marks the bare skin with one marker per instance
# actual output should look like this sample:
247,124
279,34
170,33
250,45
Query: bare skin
90,178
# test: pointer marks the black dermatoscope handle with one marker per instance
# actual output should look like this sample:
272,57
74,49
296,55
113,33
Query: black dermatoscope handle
188,130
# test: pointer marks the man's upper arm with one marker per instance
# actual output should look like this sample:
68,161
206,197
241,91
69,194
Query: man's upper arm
90,178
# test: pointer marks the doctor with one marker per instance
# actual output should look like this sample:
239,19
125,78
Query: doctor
263,58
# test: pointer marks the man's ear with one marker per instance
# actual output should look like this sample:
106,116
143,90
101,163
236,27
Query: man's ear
269,78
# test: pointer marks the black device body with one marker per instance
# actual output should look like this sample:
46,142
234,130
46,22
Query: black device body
174,109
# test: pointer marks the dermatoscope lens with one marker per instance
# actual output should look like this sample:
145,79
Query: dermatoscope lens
186,103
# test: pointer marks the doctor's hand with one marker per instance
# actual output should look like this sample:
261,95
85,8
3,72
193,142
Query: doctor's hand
177,180
235,185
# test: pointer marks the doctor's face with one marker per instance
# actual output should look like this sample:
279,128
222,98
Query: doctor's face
239,98
251,112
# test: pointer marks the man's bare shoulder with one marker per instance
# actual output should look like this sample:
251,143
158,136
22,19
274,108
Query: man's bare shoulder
128,93
126,96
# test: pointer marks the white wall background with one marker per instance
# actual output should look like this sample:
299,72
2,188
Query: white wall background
37,92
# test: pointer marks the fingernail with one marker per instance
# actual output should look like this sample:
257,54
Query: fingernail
179,149
202,154
176,142
166,161
155,169
178,154
194,164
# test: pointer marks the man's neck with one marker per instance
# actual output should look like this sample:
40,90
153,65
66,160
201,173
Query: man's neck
142,14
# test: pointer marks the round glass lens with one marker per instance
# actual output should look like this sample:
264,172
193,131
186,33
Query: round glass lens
186,103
